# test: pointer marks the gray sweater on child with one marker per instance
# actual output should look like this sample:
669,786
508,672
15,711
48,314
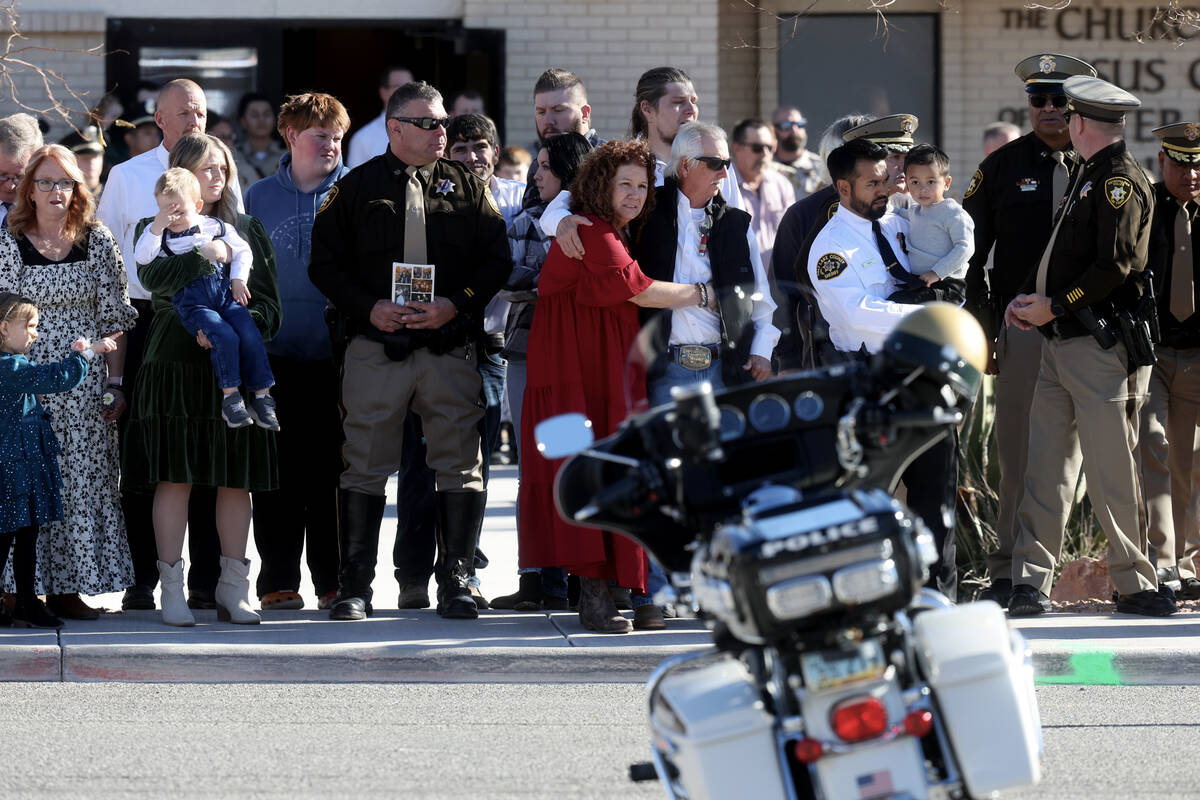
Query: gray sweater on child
941,237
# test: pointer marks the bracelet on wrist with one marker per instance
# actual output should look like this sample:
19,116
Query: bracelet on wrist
703,291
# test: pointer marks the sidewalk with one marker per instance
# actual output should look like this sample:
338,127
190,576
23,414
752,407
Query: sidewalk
416,646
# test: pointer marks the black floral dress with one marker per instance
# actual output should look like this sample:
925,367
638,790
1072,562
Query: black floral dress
86,294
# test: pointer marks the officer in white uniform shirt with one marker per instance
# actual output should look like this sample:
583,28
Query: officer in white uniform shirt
846,264
855,264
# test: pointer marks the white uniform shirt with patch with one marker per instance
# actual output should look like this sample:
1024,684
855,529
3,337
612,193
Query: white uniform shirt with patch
852,281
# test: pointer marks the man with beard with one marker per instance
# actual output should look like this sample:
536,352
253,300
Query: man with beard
560,105
854,265
1012,198
803,165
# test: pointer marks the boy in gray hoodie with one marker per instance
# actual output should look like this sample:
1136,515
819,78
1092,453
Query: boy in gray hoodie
941,234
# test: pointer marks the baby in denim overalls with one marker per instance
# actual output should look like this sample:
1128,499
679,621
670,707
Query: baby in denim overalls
214,303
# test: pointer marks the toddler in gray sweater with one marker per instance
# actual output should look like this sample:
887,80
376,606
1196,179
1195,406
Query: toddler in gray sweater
941,234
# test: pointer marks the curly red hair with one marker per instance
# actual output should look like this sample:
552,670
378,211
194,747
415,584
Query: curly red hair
592,189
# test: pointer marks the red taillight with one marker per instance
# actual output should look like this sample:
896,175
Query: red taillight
918,723
858,719
807,750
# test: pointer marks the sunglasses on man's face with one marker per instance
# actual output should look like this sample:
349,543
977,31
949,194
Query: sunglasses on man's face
425,123
756,147
788,124
714,163
1040,100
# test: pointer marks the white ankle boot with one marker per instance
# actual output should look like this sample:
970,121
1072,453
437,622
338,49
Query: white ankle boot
232,592
175,609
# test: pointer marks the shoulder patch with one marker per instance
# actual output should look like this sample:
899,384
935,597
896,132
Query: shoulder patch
328,199
1117,190
976,180
829,266
487,193
832,210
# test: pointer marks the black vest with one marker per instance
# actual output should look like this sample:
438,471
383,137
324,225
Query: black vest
733,276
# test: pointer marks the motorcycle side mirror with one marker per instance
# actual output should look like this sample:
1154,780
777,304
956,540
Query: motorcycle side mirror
564,435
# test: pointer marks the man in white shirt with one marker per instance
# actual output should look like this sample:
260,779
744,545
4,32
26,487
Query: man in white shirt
128,199
767,192
856,262
371,139
19,137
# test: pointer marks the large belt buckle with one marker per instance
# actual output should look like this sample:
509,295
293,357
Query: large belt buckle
694,356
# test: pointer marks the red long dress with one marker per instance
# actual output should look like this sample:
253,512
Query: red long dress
583,328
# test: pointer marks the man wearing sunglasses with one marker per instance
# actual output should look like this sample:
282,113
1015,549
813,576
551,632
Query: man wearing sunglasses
1012,198
791,129
19,137
410,206
765,190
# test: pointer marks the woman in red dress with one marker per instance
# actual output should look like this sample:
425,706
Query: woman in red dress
583,327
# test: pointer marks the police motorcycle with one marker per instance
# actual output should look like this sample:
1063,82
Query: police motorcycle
833,673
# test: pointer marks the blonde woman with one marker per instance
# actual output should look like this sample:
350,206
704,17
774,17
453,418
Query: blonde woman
54,252
176,436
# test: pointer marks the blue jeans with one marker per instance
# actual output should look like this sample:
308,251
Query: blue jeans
658,390
206,304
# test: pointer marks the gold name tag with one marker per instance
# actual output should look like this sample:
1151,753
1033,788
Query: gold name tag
694,356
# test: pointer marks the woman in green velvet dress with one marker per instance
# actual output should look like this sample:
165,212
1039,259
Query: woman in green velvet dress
176,436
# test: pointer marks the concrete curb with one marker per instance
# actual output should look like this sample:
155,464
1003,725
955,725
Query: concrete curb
414,647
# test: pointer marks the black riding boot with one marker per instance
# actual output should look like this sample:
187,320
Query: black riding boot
460,518
359,517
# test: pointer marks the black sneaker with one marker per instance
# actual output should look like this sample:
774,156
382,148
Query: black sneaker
1027,601
138,598
1189,589
201,599
999,592
233,410
262,411
1147,603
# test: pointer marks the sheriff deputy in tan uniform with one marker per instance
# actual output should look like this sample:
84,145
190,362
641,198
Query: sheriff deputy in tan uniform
1169,451
1089,386
1012,198
410,205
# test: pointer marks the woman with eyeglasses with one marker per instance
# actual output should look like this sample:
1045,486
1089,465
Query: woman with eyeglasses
584,325
58,255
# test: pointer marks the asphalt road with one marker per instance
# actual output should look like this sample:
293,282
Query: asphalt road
476,741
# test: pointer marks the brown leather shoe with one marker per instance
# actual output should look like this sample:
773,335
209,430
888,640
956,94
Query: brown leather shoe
70,606
597,612
481,602
649,618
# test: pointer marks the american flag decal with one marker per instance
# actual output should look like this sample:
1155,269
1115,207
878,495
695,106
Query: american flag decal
876,784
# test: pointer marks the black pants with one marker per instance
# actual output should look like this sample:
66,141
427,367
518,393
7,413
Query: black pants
416,506
932,484
24,563
302,512
204,548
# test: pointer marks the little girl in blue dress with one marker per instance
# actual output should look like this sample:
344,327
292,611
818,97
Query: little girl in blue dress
30,482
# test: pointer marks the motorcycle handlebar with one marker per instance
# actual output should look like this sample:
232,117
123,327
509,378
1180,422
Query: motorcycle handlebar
609,497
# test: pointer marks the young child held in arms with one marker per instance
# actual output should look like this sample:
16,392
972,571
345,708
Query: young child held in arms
30,490
941,234
213,304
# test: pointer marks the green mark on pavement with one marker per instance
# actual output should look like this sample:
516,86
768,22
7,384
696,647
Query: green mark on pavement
1093,667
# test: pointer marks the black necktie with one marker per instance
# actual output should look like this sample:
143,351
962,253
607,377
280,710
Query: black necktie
192,231
894,268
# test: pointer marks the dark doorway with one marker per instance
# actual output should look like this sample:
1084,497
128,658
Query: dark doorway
277,58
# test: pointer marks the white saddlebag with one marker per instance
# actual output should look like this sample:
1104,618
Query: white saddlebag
715,730
984,691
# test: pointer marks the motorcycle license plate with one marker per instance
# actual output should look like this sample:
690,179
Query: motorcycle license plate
829,669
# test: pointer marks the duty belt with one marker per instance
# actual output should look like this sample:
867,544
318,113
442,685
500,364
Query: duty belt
694,356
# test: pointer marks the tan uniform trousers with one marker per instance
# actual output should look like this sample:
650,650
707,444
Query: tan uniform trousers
377,393
1085,404
1018,359
1169,452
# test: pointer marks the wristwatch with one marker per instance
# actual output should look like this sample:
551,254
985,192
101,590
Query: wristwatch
1057,309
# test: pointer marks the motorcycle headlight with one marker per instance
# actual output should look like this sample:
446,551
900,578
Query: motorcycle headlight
799,597
862,583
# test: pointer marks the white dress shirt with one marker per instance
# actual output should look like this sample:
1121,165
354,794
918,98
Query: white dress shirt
853,293
695,325
508,196
149,245
128,198
369,141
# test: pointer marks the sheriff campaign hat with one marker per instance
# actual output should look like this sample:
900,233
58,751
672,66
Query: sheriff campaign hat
1181,141
895,132
1093,98
1046,72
